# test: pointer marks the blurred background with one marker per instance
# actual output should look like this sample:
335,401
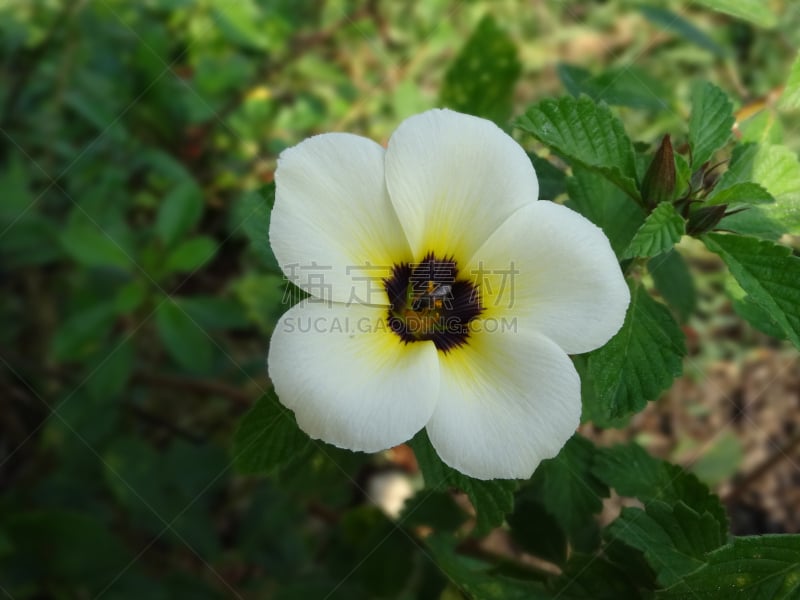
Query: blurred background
138,142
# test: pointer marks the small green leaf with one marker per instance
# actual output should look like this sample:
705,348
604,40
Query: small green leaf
791,93
481,79
777,170
710,122
179,212
214,313
758,567
757,12
740,193
641,360
566,487
674,282
191,254
768,273
674,538
626,86
110,372
606,206
662,229
187,343
267,437
492,499
632,472
586,134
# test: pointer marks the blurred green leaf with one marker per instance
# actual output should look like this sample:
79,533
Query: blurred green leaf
720,462
267,437
240,22
481,79
265,298
757,12
606,206
213,313
632,472
641,360
626,86
191,254
790,99
593,577
768,273
674,538
710,122
587,134
661,230
491,499
674,282
179,212
250,215
766,566
670,21
188,344
91,246
435,509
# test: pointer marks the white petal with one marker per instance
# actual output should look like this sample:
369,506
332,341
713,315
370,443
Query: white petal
333,229
507,401
554,272
349,379
453,179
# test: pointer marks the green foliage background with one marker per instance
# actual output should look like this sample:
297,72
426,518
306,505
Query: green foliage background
139,141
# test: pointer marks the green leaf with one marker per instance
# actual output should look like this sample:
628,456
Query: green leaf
86,243
661,230
791,93
751,311
434,509
740,193
670,21
625,86
492,499
767,273
632,472
481,79
250,217
674,538
755,11
640,361
674,282
586,134
477,579
179,212
191,254
710,122
187,343
566,487
757,568
776,169
267,437
214,313
606,206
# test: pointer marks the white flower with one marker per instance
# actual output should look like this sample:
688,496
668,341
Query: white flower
444,295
